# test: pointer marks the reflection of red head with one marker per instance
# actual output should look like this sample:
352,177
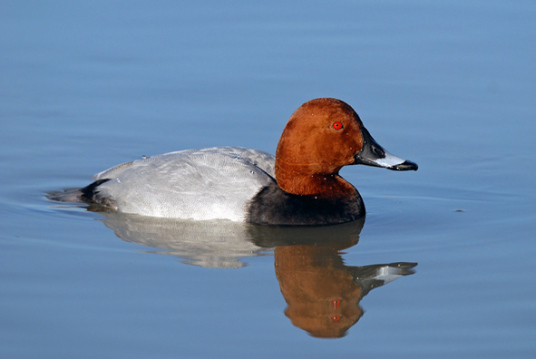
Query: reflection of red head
322,297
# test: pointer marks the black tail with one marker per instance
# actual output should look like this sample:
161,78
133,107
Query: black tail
88,194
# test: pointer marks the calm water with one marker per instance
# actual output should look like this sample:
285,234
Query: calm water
450,86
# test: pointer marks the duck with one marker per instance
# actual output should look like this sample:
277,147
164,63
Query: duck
300,185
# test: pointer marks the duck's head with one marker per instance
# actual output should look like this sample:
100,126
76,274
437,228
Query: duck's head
321,137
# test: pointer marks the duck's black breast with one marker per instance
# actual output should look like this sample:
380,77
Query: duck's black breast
273,206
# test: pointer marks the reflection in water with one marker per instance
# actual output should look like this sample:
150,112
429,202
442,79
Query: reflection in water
214,244
322,293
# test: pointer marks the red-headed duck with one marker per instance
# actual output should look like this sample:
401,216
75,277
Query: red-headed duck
299,186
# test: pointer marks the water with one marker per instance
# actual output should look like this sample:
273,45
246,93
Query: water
449,86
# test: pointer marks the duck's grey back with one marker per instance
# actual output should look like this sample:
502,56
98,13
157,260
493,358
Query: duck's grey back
209,183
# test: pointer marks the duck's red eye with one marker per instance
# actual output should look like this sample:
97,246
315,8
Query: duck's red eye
337,125
336,303
336,318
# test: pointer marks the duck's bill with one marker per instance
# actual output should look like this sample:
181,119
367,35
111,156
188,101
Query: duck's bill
372,154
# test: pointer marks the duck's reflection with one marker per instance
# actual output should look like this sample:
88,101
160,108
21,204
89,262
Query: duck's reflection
213,244
321,291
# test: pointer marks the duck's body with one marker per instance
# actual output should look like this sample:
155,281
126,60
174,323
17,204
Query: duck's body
298,186
210,183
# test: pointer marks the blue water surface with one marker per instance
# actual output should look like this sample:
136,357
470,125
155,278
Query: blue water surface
449,85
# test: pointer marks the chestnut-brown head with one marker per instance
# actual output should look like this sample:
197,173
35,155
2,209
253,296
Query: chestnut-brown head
321,137
323,133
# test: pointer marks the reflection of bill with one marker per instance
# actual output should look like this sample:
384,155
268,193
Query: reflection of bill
322,293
